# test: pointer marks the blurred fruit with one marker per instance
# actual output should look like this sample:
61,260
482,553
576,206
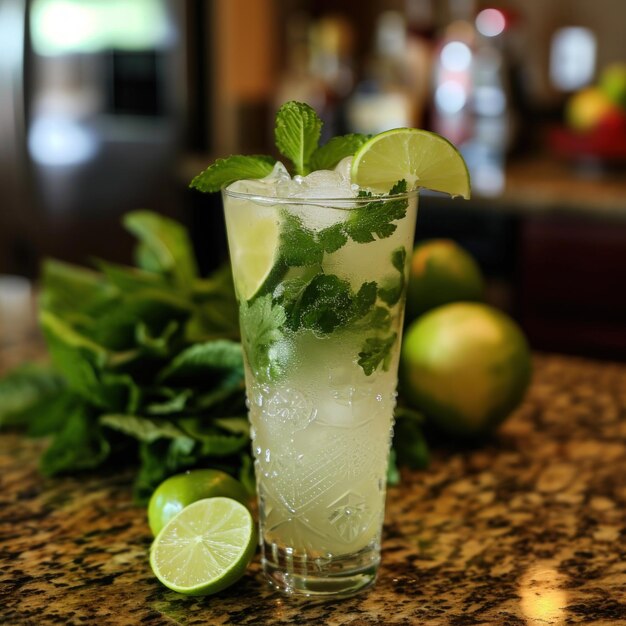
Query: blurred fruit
613,123
441,272
466,366
176,492
587,108
612,81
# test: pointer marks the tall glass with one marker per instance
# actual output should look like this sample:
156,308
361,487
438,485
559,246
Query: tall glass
321,323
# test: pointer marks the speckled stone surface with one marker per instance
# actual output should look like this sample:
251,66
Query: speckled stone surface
528,529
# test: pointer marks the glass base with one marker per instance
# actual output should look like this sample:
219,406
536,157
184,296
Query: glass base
335,577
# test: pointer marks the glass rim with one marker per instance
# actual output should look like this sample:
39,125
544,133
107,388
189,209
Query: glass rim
343,201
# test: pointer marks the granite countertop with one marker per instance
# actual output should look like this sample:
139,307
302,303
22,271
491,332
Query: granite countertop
528,529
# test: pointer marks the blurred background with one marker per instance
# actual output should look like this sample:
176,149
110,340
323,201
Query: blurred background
112,105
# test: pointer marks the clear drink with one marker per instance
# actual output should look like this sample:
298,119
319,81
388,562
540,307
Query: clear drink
321,287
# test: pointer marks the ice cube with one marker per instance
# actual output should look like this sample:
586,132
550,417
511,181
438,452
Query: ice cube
320,185
343,167
266,186
278,174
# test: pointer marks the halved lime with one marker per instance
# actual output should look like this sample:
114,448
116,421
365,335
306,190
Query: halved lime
205,548
422,158
177,492
253,242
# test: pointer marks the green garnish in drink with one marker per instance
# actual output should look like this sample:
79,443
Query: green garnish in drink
273,245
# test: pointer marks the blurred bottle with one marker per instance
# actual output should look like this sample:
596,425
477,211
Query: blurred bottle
320,70
452,77
298,81
421,30
472,102
384,99
332,47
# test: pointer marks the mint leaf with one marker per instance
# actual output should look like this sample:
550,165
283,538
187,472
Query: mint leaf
297,133
365,299
377,217
376,352
142,428
75,356
408,439
246,474
262,324
175,403
215,312
168,242
213,441
48,416
73,291
79,445
391,294
234,425
160,459
327,156
298,245
226,171
325,304
130,278
399,187
117,327
393,474
24,388
147,260
119,392
204,362
332,238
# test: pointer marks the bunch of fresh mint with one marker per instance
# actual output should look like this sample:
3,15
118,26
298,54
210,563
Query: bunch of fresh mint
146,365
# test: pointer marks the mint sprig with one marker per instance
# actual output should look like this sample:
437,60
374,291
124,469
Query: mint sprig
297,134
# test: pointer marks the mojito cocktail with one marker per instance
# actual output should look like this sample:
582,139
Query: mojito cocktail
321,328
319,259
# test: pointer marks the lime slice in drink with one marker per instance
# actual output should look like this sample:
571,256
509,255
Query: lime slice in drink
253,247
205,548
422,158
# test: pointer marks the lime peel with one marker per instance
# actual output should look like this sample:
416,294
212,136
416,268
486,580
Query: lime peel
423,158
180,490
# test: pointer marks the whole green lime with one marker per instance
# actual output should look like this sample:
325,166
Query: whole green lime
441,271
176,492
466,366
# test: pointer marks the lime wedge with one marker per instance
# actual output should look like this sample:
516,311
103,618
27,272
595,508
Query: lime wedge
204,548
422,158
253,243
